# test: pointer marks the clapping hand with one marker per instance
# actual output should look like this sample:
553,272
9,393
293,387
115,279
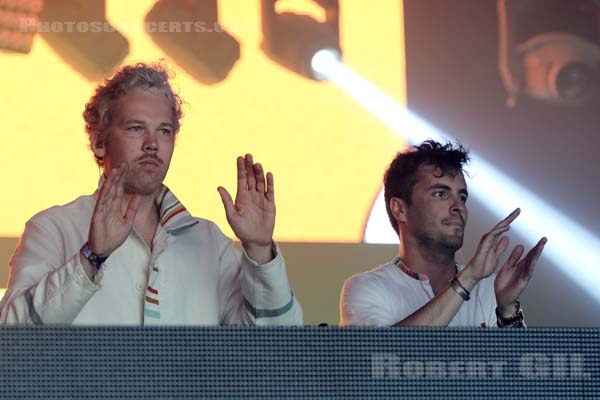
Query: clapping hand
515,274
487,256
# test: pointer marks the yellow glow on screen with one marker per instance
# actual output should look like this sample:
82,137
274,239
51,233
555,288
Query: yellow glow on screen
326,152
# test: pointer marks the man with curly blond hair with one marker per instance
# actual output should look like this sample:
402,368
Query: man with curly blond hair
131,253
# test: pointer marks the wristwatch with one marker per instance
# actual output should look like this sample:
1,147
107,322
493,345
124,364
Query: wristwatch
515,320
92,257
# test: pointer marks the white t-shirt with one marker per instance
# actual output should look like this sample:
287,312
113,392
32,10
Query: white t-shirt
391,292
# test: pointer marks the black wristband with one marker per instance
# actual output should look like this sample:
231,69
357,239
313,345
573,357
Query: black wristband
92,257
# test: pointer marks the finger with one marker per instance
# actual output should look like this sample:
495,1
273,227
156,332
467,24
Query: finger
490,239
227,201
515,255
534,254
120,183
104,194
133,206
510,218
111,195
250,178
499,230
501,246
260,178
270,187
241,174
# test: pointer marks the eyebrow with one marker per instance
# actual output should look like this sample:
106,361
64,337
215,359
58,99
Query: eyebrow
133,121
137,121
446,187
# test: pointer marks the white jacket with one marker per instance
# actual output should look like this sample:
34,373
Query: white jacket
192,277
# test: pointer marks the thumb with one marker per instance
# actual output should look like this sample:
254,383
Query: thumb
227,201
133,206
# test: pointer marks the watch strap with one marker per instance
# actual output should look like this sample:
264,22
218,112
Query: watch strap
92,257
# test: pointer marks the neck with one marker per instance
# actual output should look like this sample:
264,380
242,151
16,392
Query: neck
146,218
438,264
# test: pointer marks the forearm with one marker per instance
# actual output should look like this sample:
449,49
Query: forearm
440,310
260,253
56,298
267,290
257,294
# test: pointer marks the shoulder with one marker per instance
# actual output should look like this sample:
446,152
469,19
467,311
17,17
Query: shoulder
77,211
366,298
374,280
207,232
207,227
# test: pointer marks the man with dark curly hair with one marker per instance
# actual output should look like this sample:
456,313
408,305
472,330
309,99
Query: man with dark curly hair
131,253
426,201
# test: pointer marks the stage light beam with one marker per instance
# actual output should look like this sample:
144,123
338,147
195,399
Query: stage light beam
571,247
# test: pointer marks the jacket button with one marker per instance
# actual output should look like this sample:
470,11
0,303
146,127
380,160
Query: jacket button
139,286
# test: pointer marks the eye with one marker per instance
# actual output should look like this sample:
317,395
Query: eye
165,131
135,129
441,194
464,198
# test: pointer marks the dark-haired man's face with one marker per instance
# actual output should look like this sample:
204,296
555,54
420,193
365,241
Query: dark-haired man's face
437,215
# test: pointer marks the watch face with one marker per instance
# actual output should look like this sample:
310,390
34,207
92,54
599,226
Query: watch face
87,252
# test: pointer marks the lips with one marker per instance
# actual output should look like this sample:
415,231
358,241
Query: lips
455,222
150,160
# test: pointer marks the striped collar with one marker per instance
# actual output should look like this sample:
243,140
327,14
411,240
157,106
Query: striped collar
406,269
174,217
413,274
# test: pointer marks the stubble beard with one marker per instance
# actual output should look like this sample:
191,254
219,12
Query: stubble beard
438,247
143,183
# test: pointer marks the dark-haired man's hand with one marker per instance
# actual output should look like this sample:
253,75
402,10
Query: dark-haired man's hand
515,274
492,245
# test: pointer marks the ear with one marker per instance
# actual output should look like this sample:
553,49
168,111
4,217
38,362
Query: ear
97,146
398,207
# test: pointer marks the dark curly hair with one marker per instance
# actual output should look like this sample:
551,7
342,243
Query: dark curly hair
401,175
153,77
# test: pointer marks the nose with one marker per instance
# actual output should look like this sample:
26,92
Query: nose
150,143
458,206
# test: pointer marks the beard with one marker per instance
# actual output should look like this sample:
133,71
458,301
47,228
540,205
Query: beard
439,246
443,242
143,182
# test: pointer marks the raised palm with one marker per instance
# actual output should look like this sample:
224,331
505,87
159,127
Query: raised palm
252,216
515,274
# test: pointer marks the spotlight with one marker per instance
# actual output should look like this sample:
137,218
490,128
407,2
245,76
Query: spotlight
190,33
18,24
560,67
323,61
299,42
79,32
556,61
